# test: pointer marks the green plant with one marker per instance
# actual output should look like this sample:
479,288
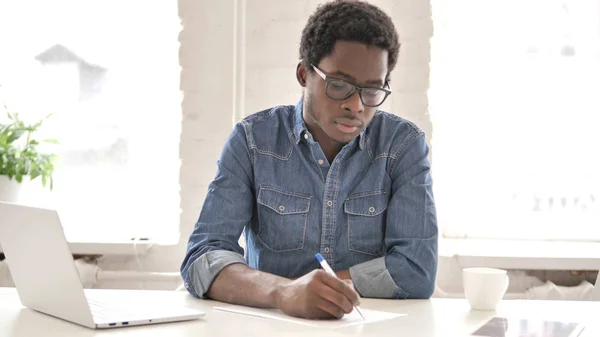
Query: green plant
19,153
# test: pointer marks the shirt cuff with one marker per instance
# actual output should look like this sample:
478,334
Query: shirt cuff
203,271
372,279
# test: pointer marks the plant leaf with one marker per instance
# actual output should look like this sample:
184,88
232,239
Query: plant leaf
50,141
34,174
15,135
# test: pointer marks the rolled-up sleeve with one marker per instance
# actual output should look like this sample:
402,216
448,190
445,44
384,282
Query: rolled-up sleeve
408,268
203,271
227,209
372,279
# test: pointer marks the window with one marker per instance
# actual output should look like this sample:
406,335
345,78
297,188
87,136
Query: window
514,102
109,71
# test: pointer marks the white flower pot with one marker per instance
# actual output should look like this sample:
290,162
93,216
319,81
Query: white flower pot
10,189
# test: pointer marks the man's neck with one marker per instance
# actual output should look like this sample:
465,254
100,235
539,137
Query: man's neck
330,148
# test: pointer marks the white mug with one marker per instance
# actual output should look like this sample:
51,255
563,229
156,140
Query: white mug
484,287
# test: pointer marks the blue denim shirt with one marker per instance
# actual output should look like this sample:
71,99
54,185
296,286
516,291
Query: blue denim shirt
371,210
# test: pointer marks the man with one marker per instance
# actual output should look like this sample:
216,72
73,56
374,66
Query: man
331,175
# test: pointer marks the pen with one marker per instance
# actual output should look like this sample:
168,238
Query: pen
328,269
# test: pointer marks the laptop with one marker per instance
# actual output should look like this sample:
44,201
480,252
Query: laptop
46,279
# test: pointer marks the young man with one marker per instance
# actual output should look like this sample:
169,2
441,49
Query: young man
331,175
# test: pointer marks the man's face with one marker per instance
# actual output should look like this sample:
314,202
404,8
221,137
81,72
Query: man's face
343,120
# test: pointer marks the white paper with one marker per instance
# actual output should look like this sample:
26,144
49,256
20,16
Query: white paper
350,319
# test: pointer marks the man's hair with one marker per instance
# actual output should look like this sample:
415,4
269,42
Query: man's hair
348,20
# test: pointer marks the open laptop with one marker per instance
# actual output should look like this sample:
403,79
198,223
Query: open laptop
46,279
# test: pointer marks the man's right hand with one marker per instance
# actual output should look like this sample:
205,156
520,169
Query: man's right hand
317,295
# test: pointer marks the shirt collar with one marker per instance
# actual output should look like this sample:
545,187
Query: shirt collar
300,127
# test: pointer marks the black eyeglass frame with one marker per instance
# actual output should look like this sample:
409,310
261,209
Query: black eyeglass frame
329,79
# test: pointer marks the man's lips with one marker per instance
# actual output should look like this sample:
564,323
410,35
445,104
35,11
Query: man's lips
349,122
347,128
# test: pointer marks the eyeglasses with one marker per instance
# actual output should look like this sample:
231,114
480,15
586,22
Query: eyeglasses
339,90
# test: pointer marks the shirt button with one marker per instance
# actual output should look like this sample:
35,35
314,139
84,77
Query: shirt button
306,136
281,208
326,250
329,203
186,285
320,161
371,209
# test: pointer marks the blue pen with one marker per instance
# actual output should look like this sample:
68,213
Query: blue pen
328,269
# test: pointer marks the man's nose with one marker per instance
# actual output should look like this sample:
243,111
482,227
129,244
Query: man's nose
353,103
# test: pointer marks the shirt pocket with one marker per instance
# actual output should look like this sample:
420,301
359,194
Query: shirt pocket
365,214
282,219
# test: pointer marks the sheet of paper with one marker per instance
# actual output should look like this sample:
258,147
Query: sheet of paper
350,319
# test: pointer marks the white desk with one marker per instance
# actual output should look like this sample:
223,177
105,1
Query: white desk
426,318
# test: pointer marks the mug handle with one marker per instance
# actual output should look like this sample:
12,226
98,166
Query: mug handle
506,282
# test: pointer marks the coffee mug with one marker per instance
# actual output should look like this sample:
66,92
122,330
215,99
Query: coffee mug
484,287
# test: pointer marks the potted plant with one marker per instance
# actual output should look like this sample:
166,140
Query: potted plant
20,157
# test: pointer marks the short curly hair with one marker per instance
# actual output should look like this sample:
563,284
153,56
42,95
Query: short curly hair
349,20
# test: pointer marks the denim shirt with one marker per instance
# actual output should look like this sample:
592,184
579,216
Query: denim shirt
370,211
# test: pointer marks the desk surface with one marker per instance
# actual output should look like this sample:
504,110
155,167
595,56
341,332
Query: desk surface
426,318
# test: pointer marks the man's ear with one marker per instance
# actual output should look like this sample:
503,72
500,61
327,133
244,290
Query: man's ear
301,73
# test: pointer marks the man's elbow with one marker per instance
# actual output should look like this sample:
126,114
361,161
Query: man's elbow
423,290
417,290
421,287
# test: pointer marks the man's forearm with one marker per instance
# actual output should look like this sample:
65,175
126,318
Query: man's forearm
242,285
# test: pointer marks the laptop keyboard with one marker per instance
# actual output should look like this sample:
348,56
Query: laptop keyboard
106,312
